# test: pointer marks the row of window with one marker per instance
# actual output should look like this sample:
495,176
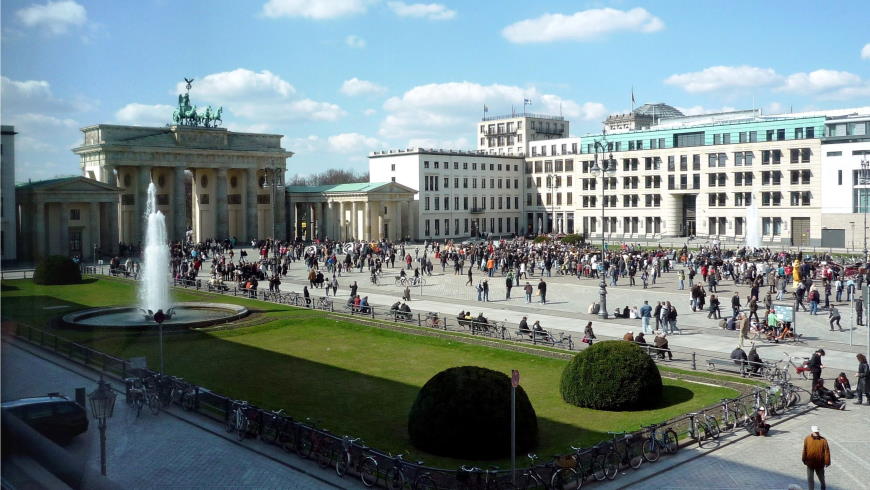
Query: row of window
550,166
569,199
503,203
741,158
431,183
630,224
475,225
697,138
554,150
552,181
446,166
719,226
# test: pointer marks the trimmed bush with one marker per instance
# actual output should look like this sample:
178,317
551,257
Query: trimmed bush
612,375
57,269
572,239
541,239
465,412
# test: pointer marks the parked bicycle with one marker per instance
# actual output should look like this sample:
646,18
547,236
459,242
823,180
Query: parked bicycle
703,428
357,457
588,463
532,477
474,478
734,414
323,303
135,394
433,320
658,441
238,420
626,450
799,364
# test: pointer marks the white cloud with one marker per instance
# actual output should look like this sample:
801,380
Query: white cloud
431,11
353,143
314,9
54,17
581,26
445,112
309,144
819,81
865,52
723,77
697,110
36,96
355,41
136,114
369,112
355,86
262,97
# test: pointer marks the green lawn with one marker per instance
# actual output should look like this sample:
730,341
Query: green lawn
351,378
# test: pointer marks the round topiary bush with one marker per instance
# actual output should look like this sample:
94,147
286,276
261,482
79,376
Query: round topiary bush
612,375
57,269
465,412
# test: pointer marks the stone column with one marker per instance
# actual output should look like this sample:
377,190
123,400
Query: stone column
367,221
39,230
93,228
330,212
354,227
63,240
143,178
219,201
397,222
251,225
111,248
179,204
108,175
294,221
323,222
340,220
280,217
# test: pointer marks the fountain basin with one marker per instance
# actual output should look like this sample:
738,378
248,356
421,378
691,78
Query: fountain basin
187,315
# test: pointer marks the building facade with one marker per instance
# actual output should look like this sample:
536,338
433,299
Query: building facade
211,181
511,135
550,179
8,210
460,194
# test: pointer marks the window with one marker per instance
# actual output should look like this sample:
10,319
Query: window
437,204
437,227
777,226
426,205
712,159
811,132
765,226
805,155
741,137
777,157
426,227
798,133
671,166
696,162
425,164
75,214
769,135
465,182
795,155
393,167
717,140
839,177
780,134
753,136
726,138
687,139
765,157
465,203
684,163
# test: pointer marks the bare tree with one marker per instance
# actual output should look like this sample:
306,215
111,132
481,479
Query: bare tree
330,176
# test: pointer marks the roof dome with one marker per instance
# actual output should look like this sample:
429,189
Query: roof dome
659,111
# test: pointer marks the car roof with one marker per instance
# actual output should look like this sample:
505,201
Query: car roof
50,398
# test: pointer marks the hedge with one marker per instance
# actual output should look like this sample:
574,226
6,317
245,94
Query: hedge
57,269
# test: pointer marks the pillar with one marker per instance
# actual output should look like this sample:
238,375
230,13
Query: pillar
107,176
179,205
221,224
367,222
114,238
251,203
354,227
93,228
324,223
294,221
398,220
39,230
330,212
278,209
342,229
143,178
64,229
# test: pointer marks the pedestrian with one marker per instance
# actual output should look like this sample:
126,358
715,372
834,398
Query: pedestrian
859,309
714,307
682,277
816,456
645,314
862,388
744,328
485,290
735,304
468,282
508,284
815,365
528,290
834,315
542,291
657,315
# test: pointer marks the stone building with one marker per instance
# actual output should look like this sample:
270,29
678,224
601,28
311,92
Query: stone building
8,228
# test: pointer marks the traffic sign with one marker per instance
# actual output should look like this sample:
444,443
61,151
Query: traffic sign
515,378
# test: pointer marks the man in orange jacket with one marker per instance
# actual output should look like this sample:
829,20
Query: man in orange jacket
816,457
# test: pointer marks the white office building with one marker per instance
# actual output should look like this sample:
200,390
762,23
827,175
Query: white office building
511,135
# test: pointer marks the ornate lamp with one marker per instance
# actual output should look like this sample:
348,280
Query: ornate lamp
102,406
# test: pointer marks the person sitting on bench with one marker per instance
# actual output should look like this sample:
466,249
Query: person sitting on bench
739,356
405,311
524,327
754,359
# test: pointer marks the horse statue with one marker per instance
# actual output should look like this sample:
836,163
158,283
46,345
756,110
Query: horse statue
216,118
206,117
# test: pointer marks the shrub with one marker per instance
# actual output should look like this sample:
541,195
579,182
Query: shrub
612,375
572,239
464,412
541,239
57,269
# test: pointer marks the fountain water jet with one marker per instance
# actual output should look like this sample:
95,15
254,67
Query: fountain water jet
154,290
753,225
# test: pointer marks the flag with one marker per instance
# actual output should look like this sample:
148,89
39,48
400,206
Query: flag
485,108
632,95
527,101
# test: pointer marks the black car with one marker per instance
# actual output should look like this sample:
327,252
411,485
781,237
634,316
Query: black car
54,416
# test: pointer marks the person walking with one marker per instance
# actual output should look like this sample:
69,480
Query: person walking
528,290
542,291
744,328
815,365
469,281
645,314
862,388
508,284
816,457
485,290
657,315
834,315
735,304
714,307
682,276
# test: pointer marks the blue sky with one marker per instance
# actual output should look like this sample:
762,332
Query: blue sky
340,78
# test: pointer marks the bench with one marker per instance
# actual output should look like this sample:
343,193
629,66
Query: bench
402,316
743,367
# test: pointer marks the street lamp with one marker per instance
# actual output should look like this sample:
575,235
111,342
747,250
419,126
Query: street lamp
551,186
102,405
864,180
607,166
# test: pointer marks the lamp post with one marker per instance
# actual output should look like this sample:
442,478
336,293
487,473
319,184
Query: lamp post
606,167
102,405
864,180
551,186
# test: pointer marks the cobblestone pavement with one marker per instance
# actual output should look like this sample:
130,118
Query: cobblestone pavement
772,462
156,451
568,299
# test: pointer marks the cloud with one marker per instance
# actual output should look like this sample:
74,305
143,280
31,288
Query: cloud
355,42
446,111
585,25
723,77
353,143
865,52
300,146
355,86
431,11
698,110
262,97
314,9
36,96
819,81
369,112
55,17
136,114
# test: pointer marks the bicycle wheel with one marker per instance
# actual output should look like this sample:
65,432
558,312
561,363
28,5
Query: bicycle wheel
794,398
242,429
368,471
425,482
395,479
154,404
528,481
325,454
599,467
188,401
713,427
670,441
269,433
231,422
612,461
342,464
565,478
304,445
138,402
634,449
651,450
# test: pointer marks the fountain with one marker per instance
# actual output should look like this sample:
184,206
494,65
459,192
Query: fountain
154,290
753,225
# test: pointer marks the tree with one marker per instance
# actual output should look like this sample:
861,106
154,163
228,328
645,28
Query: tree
330,176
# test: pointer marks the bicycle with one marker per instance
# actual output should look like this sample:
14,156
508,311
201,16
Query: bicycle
531,477
271,430
432,320
705,429
238,419
654,444
588,463
183,393
470,477
395,478
366,464
631,453
801,369
323,303
135,394
734,414
152,398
